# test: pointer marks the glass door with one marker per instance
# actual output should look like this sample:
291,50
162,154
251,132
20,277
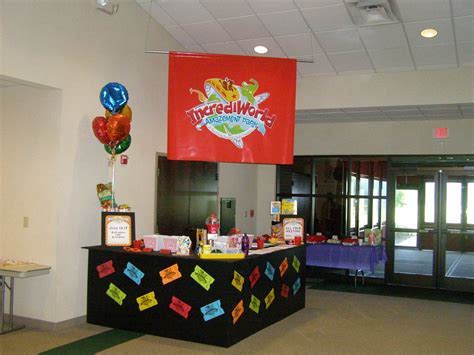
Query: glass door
431,226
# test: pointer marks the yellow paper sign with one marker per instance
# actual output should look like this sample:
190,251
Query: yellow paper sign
116,294
269,298
202,277
283,267
296,263
237,312
238,281
170,274
147,301
254,304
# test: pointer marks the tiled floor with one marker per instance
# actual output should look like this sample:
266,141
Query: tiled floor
331,323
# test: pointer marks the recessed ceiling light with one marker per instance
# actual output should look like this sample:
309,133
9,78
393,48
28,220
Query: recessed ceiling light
429,33
260,49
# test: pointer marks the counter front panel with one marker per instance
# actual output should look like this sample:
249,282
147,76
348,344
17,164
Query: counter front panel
217,302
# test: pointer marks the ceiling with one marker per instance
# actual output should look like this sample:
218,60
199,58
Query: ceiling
322,31
321,34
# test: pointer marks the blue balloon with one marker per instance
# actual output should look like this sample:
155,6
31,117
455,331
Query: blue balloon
113,97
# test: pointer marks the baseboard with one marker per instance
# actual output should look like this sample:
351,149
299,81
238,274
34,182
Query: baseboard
45,325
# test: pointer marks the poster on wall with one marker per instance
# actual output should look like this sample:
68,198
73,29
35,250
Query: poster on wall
230,108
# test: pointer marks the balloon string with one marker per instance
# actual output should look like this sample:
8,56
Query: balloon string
112,162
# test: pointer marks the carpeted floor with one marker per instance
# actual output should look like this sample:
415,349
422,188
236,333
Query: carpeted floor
394,291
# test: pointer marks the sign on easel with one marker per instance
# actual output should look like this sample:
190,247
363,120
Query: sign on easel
293,227
118,229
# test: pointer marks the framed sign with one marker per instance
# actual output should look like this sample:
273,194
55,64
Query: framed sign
118,229
293,227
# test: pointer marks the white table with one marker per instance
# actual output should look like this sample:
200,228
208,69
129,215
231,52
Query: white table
12,271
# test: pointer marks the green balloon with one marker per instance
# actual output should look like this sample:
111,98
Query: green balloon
121,147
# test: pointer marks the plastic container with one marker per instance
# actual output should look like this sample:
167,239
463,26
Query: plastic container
212,224
245,244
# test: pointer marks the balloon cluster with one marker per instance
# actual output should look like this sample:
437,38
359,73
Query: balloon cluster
113,130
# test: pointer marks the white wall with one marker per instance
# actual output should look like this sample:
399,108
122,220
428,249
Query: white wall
72,46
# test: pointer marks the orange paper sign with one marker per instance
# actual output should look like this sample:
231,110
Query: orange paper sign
283,267
237,312
170,274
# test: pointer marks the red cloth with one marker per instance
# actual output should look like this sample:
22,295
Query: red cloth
316,239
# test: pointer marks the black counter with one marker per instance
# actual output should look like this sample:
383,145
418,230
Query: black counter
180,308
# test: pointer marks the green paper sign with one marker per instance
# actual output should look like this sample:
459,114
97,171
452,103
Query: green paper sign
254,304
116,294
202,278
296,263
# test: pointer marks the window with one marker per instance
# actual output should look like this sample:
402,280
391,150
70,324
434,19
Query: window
341,195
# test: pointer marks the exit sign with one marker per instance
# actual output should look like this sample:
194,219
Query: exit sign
440,132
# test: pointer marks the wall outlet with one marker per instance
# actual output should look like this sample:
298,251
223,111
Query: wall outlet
26,222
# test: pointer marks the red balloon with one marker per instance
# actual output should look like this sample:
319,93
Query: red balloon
118,128
99,127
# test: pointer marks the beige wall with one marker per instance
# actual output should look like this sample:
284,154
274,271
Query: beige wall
29,183
423,87
240,181
408,137
72,46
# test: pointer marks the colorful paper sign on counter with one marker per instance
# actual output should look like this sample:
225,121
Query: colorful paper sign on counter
116,294
134,273
238,281
269,298
146,301
296,286
230,108
254,276
283,266
284,290
254,304
105,269
202,277
296,263
270,271
212,310
180,307
238,311
170,274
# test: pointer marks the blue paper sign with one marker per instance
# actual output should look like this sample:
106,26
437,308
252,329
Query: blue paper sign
270,271
296,286
212,310
134,273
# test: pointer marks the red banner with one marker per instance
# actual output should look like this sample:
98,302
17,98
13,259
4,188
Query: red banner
229,108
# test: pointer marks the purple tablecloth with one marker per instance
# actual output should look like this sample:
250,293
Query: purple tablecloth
338,256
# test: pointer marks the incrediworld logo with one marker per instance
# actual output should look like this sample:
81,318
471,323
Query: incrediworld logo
231,111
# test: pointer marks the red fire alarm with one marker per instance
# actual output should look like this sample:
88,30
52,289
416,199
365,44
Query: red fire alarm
124,159
252,213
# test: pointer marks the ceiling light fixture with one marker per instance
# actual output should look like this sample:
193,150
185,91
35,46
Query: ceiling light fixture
260,49
107,7
429,33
